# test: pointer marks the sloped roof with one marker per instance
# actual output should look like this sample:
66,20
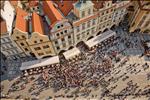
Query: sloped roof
65,6
37,23
98,3
21,22
3,26
52,12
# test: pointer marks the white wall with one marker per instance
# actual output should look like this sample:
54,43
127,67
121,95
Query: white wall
8,14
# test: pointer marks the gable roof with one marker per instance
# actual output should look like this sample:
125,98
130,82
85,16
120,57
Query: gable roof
21,22
65,6
52,12
37,23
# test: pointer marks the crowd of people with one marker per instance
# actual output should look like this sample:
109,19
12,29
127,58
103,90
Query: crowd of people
100,67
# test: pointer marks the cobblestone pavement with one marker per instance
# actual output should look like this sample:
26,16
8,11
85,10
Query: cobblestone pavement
130,79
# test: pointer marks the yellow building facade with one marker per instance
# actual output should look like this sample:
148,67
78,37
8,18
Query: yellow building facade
139,16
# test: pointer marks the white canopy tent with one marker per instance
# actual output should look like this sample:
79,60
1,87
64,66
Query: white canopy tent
71,53
148,44
39,63
94,41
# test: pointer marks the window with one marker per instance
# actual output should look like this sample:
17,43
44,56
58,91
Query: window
65,31
58,26
46,46
77,28
83,13
23,37
61,33
93,23
69,37
22,44
17,37
108,4
57,34
107,11
64,44
102,13
40,54
62,39
26,49
78,36
89,11
62,25
83,26
58,48
37,48
35,41
111,10
41,40
88,24
56,42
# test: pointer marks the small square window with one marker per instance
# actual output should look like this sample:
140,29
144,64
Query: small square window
65,31
56,42
61,33
23,37
22,44
41,40
17,37
26,49
57,34
69,36
58,26
57,48
62,39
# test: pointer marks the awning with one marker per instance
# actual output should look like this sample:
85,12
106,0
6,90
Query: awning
94,41
71,53
148,44
39,63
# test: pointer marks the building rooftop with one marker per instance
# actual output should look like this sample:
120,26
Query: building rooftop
21,20
37,23
33,3
3,26
98,4
52,12
65,6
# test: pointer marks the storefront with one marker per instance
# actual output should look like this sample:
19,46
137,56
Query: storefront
37,66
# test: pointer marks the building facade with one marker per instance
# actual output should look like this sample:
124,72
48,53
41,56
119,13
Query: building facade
139,16
60,25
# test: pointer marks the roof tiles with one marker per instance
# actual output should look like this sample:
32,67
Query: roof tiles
21,22
65,6
52,12
37,23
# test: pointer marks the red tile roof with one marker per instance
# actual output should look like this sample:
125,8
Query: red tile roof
33,3
65,6
3,26
52,12
98,4
21,22
37,23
